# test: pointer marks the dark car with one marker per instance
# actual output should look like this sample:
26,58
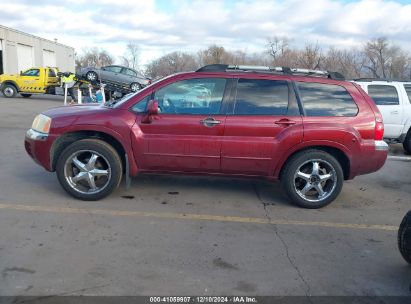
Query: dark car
117,74
310,129
404,237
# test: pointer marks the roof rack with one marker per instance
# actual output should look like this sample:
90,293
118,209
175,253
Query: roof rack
382,79
267,69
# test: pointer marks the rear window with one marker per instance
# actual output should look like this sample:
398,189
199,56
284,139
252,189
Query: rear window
407,88
52,73
320,99
384,94
261,97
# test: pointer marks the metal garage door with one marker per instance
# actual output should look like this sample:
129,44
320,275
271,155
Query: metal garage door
1,56
49,58
25,57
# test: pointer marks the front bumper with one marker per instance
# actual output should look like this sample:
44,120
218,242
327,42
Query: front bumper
38,146
35,135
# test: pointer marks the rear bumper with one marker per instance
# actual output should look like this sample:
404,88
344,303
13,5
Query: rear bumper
371,158
381,145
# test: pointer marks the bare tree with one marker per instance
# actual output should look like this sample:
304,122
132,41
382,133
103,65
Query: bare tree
277,46
348,62
311,57
171,63
94,57
131,56
212,55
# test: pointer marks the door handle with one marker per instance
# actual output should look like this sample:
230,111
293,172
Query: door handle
394,112
285,122
210,122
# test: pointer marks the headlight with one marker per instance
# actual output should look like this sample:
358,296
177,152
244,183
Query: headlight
41,123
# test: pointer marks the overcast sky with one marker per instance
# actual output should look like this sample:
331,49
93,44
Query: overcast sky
161,26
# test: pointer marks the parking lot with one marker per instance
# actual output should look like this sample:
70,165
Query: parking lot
193,236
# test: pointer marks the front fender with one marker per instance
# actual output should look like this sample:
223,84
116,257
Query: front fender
125,141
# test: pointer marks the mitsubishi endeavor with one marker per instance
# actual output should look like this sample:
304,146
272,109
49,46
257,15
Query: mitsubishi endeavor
310,129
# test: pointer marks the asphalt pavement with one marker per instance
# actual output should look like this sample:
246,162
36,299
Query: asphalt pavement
181,235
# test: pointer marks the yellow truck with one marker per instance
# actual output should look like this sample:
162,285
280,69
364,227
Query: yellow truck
32,81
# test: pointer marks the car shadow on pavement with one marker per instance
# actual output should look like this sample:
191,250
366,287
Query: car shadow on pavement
221,188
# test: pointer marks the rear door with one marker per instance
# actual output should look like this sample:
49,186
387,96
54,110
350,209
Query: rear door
387,99
129,76
186,135
262,123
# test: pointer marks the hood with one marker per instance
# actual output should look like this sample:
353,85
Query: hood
75,111
8,76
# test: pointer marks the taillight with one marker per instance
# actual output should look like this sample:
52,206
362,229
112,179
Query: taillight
379,130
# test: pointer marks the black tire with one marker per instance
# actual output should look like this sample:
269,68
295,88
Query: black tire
407,143
92,76
135,86
302,161
9,91
404,237
107,154
26,95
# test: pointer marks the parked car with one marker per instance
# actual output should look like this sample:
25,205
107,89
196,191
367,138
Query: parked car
393,99
32,81
118,74
309,129
404,237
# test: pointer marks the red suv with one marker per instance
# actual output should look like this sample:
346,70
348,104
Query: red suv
310,129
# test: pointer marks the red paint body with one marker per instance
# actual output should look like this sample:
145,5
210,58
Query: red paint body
240,145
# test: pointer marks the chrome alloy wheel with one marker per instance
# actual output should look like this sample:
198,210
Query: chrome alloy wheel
87,171
91,76
315,180
135,87
8,91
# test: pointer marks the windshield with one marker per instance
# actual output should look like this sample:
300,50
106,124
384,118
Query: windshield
117,102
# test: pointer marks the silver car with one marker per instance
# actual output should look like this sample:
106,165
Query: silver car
117,74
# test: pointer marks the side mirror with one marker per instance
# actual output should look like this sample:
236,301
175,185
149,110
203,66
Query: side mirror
152,107
21,73
152,110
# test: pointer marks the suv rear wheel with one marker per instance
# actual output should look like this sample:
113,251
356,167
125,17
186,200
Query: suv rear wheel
404,237
89,169
312,179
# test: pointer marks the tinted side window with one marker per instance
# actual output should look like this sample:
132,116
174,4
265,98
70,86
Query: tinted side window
192,96
384,94
407,88
141,106
114,69
129,72
261,97
52,73
320,99
32,72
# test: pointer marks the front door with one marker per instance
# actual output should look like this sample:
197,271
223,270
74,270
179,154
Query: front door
263,116
186,134
30,81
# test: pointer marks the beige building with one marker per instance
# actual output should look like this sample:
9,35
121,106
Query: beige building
20,51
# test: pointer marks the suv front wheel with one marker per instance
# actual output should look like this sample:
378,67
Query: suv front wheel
312,179
89,169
